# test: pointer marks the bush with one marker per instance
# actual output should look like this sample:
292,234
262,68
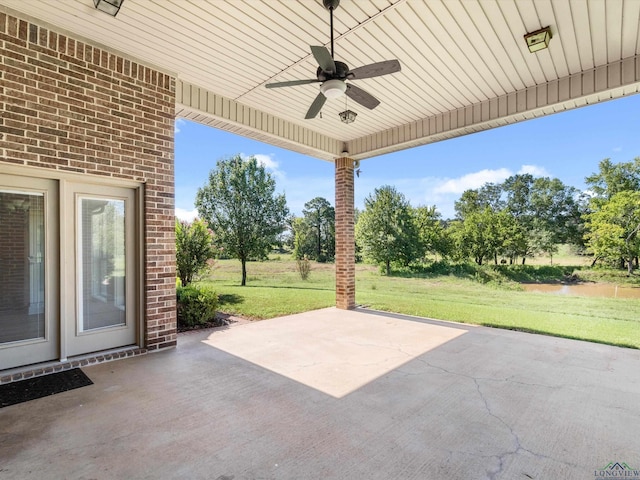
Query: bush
196,306
304,267
194,250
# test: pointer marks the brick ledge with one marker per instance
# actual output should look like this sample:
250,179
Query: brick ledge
30,371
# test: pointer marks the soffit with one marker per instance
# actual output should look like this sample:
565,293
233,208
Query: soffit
460,59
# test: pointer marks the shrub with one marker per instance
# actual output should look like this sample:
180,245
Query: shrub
196,306
194,249
304,267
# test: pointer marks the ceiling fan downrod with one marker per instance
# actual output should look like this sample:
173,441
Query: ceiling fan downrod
331,5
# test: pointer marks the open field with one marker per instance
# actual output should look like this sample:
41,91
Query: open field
565,256
274,288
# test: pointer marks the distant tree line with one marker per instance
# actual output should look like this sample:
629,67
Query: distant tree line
505,222
511,221
518,218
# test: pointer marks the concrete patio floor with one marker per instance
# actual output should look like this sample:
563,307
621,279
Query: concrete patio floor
337,394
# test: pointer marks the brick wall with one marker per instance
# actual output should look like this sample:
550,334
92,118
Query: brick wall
345,242
72,107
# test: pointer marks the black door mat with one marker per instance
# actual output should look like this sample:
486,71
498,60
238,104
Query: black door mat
38,387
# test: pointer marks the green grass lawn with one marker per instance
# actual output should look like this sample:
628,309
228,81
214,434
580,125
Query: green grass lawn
274,288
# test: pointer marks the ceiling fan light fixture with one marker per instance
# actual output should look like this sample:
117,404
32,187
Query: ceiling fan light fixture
333,88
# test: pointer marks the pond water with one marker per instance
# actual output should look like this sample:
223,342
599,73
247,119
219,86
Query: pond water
585,290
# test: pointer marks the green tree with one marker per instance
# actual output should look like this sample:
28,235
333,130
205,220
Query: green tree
530,213
482,234
518,192
613,178
194,248
556,209
358,250
288,235
318,238
614,229
546,211
475,200
385,230
303,238
431,232
516,240
544,241
240,204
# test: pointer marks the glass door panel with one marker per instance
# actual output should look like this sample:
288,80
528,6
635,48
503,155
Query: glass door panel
101,309
101,253
22,256
28,262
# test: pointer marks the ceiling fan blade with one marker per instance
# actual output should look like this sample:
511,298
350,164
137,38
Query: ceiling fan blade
363,98
324,59
316,106
291,83
375,70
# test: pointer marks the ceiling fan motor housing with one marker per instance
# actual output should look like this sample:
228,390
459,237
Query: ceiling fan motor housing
342,70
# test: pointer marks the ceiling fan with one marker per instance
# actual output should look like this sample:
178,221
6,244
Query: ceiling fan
332,75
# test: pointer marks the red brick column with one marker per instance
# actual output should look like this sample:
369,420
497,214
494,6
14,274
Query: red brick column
345,240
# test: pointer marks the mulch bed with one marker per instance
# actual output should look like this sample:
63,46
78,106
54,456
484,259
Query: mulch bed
221,320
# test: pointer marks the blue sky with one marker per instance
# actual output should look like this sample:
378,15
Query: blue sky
567,145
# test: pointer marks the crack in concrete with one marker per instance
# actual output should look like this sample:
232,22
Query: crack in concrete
509,379
516,438
302,366
518,448
494,474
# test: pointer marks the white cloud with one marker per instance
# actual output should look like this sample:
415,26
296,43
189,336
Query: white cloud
418,191
617,149
534,170
472,180
442,192
268,162
177,124
186,215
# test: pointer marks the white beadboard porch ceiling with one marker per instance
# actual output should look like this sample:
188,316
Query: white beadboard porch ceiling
465,64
